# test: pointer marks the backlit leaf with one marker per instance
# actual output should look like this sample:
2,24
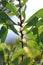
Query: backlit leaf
10,7
4,17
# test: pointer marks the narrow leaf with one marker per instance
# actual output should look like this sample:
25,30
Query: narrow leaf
31,21
38,14
18,53
11,27
24,1
10,7
4,17
3,33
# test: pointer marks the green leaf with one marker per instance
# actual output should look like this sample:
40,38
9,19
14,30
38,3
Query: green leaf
11,14
1,53
18,53
3,46
27,61
32,33
33,44
41,37
38,14
39,23
23,13
35,30
1,21
11,27
4,17
24,2
3,33
34,18
15,62
40,32
34,47
32,22
4,36
10,7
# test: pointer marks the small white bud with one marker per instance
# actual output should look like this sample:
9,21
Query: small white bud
21,1
29,28
24,40
26,49
41,62
39,19
24,32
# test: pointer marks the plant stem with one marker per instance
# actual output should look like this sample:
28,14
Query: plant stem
8,59
20,16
